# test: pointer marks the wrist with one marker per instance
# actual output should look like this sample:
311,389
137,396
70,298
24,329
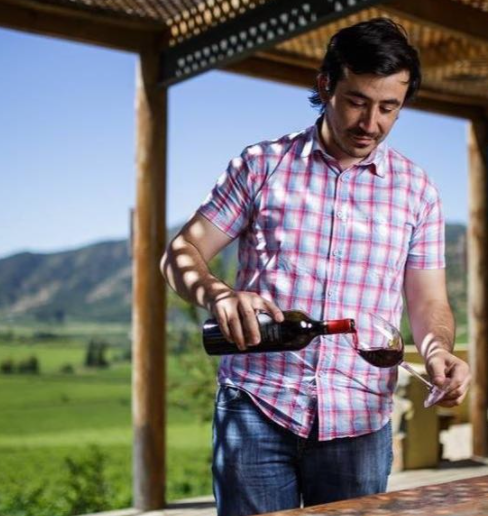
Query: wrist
435,352
434,344
214,292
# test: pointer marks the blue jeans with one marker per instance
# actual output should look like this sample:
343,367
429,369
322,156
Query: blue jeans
260,467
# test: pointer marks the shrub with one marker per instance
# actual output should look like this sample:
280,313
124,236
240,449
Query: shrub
7,366
29,366
96,354
87,486
67,369
22,500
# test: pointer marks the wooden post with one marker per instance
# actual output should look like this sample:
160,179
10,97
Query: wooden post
478,281
149,377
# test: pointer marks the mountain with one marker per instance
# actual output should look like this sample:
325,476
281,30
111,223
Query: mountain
93,283
90,283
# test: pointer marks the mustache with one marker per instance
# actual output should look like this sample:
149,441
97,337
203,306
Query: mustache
362,134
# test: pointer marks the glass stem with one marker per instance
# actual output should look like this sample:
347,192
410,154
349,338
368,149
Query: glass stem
412,371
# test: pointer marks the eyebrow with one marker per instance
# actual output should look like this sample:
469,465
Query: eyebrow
354,93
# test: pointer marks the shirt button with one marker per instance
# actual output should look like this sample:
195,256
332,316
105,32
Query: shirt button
340,214
337,252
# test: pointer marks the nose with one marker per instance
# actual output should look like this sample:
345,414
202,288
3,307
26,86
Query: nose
369,121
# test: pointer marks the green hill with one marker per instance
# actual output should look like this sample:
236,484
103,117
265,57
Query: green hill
93,283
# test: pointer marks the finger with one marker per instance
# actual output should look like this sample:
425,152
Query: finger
265,305
437,371
250,323
458,374
455,395
459,392
236,332
273,310
224,326
454,398
457,380
447,404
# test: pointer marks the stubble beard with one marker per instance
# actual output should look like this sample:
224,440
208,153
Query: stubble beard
348,150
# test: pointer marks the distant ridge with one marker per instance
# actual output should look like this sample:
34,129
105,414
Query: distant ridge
89,283
93,282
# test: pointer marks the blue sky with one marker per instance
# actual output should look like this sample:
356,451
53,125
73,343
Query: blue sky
67,141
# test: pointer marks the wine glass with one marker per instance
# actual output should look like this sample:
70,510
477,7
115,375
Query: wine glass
387,350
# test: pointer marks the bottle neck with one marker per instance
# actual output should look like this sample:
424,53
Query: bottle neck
338,326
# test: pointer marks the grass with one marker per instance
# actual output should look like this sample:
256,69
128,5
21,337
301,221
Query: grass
47,418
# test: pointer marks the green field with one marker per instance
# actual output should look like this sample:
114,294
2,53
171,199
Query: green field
66,434
52,416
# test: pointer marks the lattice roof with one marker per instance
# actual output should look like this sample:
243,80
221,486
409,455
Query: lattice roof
454,61
450,63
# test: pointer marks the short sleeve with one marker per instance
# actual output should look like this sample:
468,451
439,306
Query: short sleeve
427,244
229,204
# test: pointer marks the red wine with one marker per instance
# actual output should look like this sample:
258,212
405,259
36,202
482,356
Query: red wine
293,334
382,357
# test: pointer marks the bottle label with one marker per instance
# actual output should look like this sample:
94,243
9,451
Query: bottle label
269,329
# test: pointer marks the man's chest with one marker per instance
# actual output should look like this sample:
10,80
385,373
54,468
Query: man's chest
309,219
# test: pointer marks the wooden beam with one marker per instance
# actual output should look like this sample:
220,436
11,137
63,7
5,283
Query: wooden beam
448,104
295,72
445,15
83,28
266,68
149,312
478,282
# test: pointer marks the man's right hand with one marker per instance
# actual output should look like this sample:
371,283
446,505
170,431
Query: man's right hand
236,314
185,267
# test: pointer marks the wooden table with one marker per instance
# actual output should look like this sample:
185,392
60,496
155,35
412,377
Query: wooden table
460,498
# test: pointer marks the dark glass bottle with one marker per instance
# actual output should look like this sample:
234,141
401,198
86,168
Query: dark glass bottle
293,334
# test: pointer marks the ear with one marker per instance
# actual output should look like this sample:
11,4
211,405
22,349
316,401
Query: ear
323,88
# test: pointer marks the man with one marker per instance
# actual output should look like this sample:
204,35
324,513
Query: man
335,223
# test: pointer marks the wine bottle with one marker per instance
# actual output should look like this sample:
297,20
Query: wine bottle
293,334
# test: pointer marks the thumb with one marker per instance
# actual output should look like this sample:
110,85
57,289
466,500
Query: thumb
436,367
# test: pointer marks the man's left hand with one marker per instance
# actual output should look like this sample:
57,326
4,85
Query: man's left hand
450,373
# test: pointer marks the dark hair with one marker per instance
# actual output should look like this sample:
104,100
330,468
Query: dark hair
378,46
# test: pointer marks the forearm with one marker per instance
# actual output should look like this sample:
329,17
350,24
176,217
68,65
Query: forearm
188,274
433,330
433,326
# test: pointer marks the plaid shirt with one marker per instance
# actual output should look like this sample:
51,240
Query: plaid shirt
333,244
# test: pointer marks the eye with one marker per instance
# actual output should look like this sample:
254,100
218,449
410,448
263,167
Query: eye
387,110
355,103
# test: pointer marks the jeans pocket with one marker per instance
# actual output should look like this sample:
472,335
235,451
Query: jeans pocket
227,395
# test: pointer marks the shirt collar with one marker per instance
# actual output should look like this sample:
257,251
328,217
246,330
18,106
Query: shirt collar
376,161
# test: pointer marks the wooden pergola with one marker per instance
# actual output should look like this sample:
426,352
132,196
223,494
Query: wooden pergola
281,40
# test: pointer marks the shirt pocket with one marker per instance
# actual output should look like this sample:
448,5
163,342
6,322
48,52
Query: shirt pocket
380,242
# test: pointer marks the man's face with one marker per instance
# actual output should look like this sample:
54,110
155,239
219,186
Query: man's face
361,112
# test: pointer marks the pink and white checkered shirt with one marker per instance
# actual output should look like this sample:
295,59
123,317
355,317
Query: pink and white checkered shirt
335,245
